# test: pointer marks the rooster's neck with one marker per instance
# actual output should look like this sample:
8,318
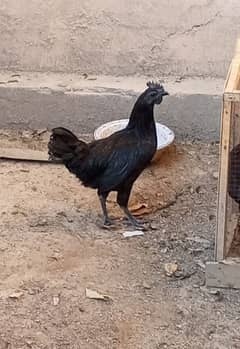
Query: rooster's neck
142,117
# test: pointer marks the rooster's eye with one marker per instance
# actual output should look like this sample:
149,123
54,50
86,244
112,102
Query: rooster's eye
153,93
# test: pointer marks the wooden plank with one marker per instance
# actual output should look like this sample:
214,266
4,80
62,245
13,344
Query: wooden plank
233,76
223,181
237,59
237,49
223,274
233,138
24,155
227,78
232,97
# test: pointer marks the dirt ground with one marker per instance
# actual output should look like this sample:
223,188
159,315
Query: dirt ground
53,248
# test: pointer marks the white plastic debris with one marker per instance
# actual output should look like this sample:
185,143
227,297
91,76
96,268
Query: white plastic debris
129,234
56,300
96,295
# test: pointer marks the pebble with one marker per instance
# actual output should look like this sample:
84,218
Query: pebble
147,286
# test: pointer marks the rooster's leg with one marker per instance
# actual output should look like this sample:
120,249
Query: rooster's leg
103,198
122,200
131,219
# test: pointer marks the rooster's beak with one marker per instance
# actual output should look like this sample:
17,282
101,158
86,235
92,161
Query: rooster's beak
165,93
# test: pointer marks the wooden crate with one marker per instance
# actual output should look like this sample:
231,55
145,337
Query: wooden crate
225,271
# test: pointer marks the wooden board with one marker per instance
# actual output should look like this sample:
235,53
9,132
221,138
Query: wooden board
24,155
232,96
223,181
223,274
233,76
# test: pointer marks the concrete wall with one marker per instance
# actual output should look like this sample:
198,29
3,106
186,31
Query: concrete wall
154,37
47,100
28,109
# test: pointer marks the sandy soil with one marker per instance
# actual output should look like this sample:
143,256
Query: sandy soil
52,249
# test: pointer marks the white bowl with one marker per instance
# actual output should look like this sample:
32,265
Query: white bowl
165,136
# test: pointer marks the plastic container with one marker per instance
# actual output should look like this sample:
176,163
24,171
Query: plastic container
165,136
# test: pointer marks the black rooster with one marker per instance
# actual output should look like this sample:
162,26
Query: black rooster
234,174
115,162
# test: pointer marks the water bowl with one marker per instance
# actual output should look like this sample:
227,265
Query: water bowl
165,136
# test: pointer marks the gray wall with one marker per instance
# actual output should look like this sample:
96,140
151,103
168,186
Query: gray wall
154,37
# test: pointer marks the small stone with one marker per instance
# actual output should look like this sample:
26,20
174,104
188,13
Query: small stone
147,286
153,226
211,217
201,264
162,345
195,286
39,223
15,212
162,244
215,175
27,134
16,295
211,331
92,78
12,81
198,189
56,300
29,343
218,296
31,292
214,292
179,79
170,269
164,250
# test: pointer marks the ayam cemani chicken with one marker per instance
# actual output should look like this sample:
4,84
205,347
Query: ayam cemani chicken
115,162
234,174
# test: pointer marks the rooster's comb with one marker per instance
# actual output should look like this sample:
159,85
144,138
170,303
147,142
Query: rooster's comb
152,84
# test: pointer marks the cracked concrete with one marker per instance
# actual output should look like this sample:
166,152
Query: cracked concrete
201,25
193,27
154,38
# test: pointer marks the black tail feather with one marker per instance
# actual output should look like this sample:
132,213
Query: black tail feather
63,144
61,131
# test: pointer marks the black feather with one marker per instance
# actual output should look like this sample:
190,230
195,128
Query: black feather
65,145
234,174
